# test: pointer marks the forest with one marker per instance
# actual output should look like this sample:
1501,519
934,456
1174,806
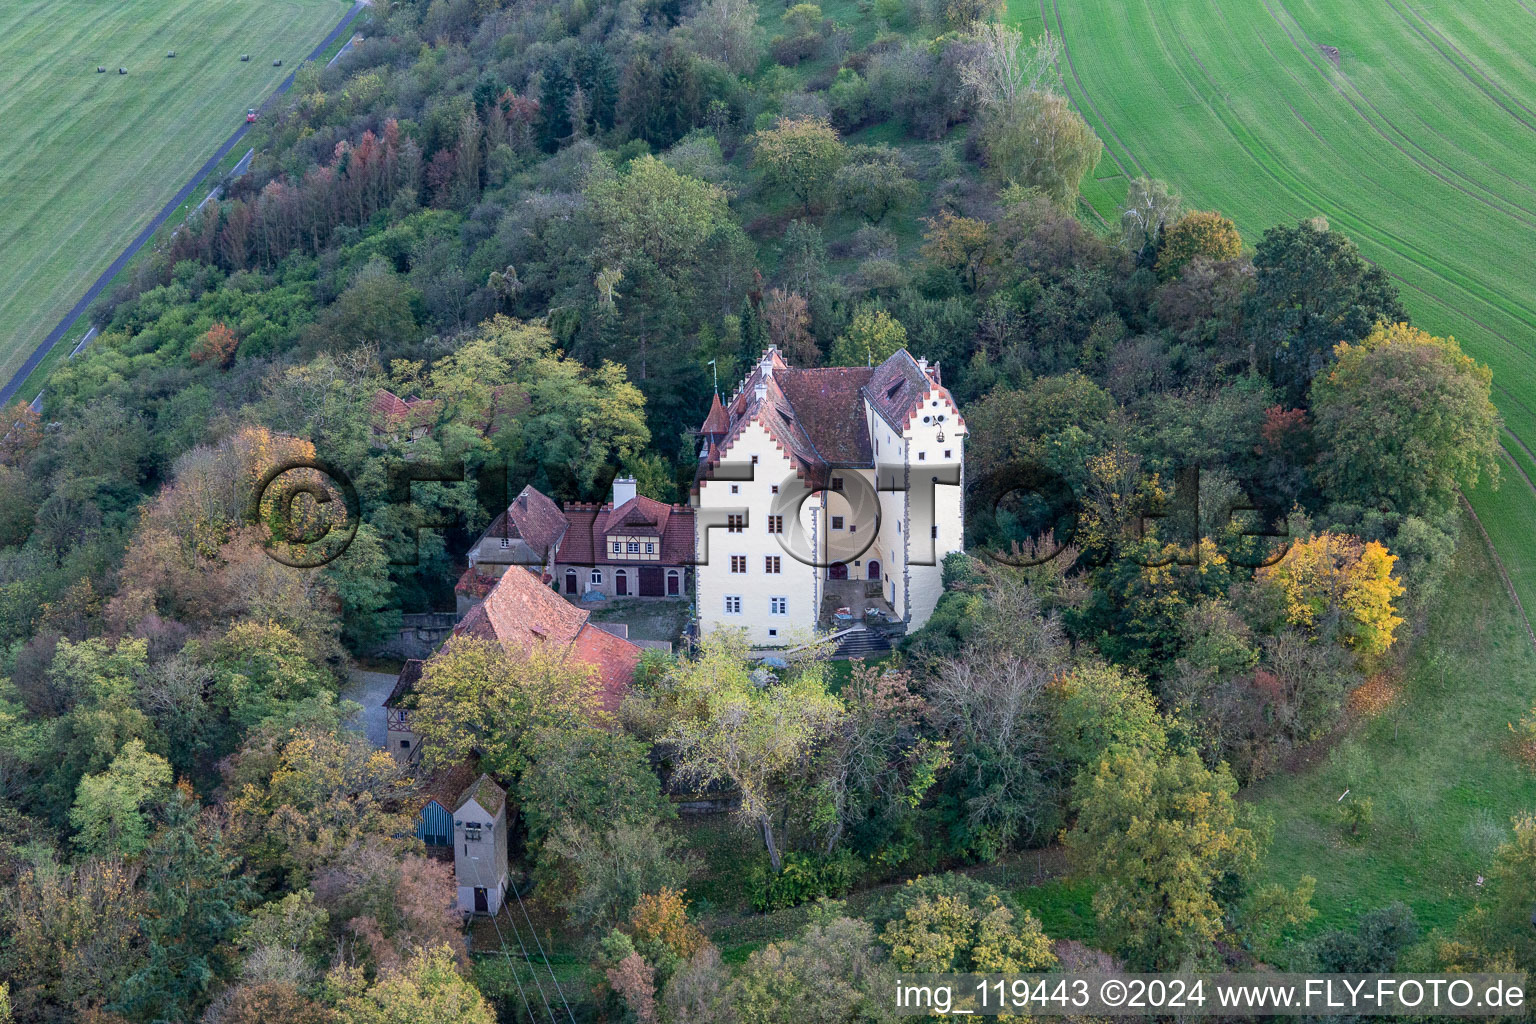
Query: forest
550,219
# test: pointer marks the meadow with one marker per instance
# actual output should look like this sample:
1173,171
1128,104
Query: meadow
1409,124
1438,763
89,158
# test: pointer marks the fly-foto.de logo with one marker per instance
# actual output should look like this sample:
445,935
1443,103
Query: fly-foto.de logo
1023,514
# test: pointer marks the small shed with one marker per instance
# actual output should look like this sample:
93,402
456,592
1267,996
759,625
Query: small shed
438,796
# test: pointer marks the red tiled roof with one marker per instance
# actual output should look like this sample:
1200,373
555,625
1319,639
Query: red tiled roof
390,411
828,403
532,517
521,613
474,583
717,422
816,416
615,659
585,542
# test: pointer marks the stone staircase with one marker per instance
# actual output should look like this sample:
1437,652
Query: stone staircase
862,642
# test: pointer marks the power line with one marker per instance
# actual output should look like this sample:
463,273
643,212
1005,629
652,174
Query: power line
526,959
547,966
501,940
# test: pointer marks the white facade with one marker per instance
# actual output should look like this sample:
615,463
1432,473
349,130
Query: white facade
761,461
480,849
748,578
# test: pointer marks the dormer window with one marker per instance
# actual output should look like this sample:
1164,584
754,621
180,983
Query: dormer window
890,392
634,547
506,542
472,831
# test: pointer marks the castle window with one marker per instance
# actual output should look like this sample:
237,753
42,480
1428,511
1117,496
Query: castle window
735,488
771,564
837,522
933,531
733,604
922,456
596,578
471,831
775,524
650,547
837,483
774,489
778,606
735,524
948,453
738,563
634,547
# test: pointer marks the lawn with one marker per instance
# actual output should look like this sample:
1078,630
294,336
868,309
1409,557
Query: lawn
1438,767
90,158
1409,124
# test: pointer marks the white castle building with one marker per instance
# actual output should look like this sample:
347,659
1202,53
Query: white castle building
827,489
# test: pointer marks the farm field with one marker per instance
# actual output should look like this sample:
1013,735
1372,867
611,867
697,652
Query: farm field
1409,124
89,158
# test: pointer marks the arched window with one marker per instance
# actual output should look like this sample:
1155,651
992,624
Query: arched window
596,578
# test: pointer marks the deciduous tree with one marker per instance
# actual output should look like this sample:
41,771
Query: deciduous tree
801,154
475,696
112,808
1197,234
1158,833
1312,290
1403,420
726,728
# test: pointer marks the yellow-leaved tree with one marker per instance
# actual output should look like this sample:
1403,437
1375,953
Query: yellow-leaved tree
1335,572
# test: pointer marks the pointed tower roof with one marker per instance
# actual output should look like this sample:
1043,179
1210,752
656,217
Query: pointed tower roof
716,422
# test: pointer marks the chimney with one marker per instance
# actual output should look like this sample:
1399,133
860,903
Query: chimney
623,489
922,364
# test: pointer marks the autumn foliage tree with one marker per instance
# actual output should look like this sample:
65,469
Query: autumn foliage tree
21,430
217,346
1159,834
476,696
1198,233
1336,577
1404,419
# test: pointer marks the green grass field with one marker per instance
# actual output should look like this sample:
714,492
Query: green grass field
1439,767
88,159
1419,142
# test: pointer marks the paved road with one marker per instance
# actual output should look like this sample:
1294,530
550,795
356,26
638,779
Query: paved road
94,292
371,690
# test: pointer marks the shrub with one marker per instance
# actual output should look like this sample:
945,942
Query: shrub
805,877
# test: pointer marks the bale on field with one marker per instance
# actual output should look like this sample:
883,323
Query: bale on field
122,71
101,69
278,63
245,56
170,53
